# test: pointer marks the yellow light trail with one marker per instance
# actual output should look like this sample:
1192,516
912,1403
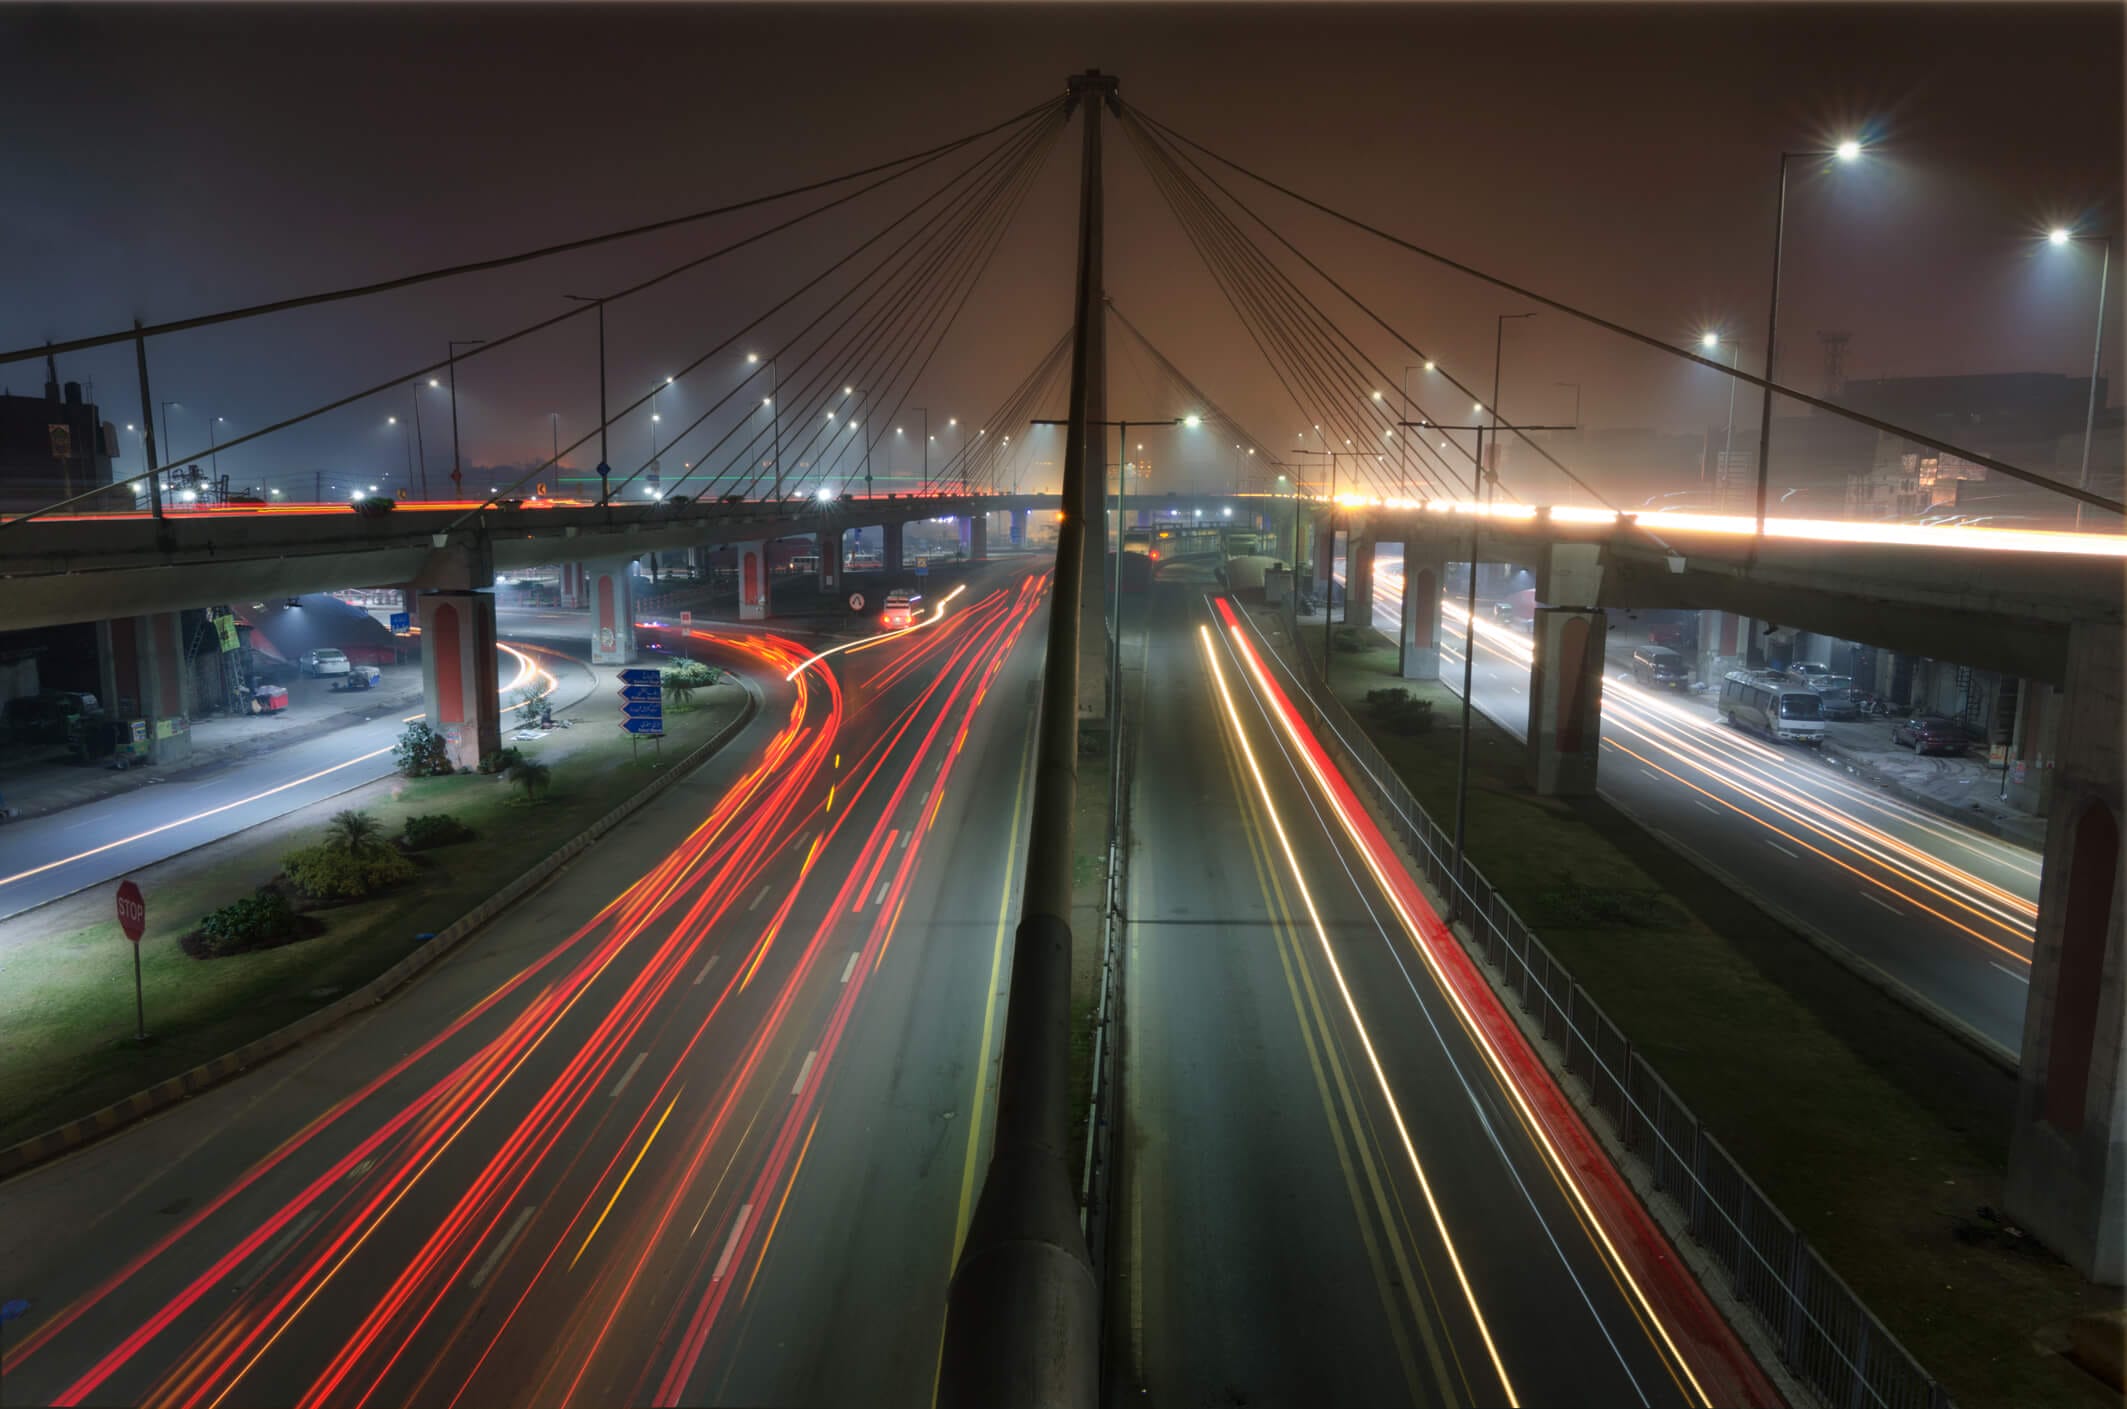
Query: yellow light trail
623,1184
937,615
1351,1008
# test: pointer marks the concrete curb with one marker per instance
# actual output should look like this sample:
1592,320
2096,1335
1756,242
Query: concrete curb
1977,819
39,1149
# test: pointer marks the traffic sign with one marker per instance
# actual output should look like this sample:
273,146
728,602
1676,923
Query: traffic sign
401,621
686,619
132,911
642,675
640,692
856,601
643,726
643,709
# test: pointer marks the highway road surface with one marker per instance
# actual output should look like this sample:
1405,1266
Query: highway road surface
699,1121
1943,911
1344,1180
44,858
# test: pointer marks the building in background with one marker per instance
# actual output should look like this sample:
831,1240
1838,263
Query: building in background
52,447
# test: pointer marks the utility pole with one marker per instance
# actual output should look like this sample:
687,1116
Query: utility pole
420,441
147,423
457,484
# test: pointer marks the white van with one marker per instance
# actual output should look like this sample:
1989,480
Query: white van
1773,705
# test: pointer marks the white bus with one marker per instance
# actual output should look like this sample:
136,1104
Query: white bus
1773,705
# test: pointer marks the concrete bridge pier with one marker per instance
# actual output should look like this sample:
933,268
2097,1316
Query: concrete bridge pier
753,580
1325,543
141,674
890,546
1424,579
1566,674
575,592
458,676
976,537
1358,579
830,540
2067,1179
611,587
1018,528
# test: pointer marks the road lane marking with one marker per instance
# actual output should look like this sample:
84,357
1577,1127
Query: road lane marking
850,967
623,1184
876,865
804,1071
758,899
1874,901
705,970
1648,771
489,1263
1795,854
2010,972
633,1067
881,896
274,1249
1709,807
738,1226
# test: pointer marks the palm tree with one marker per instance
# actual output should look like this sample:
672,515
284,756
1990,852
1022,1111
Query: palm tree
679,689
352,832
532,775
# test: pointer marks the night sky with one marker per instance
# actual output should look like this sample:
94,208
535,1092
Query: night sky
168,161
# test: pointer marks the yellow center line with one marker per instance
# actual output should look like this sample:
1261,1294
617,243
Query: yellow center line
625,1178
762,1260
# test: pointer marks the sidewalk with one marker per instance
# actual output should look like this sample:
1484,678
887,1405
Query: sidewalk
1962,788
37,783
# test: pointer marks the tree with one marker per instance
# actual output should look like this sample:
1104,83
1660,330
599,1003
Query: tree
532,776
421,752
353,832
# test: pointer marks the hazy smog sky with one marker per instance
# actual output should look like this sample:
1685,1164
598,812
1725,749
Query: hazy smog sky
172,160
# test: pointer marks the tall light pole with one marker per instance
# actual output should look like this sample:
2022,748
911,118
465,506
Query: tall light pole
1849,150
420,439
1710,341
554,424
452,355
605,464
166,422
213,429
406,434
2097,349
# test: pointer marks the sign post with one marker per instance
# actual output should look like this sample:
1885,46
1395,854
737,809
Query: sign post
642,706
133,922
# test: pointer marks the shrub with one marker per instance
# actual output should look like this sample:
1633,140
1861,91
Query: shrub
421,752
1351,639
352,831
259,921
1399,711
532,706
693,673
533,776
325,872
442,829
680,692
501,761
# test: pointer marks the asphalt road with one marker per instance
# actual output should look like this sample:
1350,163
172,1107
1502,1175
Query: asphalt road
1327,1196
44,858
1941,910
699,1121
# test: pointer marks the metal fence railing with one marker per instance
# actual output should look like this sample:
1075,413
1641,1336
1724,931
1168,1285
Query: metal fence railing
1822,1333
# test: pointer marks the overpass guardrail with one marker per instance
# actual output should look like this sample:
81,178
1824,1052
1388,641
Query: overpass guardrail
1748,1252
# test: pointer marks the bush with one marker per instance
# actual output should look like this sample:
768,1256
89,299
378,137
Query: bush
442,829
501,761
352,831
532,707
421,752
325,872
259,921
692,673
1351,639
1399,711
533,776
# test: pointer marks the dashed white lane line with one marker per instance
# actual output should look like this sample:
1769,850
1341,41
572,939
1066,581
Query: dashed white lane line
633,1067
1785,852
2010,972
1709,807
881,896
850,967
757,900
494,1258
738,1226
705,970
273,1251
805,1070
1881,905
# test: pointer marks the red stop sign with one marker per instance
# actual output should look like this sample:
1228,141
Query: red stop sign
132,911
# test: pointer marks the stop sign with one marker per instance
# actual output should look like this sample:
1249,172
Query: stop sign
132,911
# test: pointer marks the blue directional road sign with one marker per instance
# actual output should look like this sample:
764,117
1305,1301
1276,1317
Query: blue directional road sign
642,709
641,675
640,692
400,621
644,726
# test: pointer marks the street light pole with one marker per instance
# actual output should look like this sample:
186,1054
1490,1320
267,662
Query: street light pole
457,477
420,440
2097,349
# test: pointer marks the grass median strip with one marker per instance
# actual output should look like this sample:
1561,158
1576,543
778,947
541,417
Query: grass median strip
66,990
1881,1136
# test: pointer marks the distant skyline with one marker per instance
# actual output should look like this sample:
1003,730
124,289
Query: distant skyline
176,160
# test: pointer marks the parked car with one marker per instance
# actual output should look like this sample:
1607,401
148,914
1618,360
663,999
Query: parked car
326,660
1809,672
1660,668
44,718
1929,733
1837,694
1677,635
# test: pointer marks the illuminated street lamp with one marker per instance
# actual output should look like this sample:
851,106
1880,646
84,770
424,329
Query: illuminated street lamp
2059,237
1709,341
